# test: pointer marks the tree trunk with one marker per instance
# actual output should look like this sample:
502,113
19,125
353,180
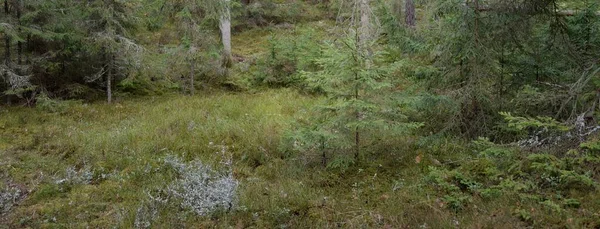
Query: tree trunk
397,11
363,53
365,24
323,153
6,38
28,49
109,77
19,44
225,27
6,52
192,71
410,16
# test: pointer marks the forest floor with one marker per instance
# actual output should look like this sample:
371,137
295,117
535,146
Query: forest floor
77,165
111,156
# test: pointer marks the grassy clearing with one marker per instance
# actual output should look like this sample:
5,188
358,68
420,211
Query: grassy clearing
112,158
123,144
122,147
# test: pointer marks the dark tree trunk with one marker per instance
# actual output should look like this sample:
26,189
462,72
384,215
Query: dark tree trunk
28,49
410,15
323,153
356,130
7,50
6,37
109,77
19,44
192,71
397,11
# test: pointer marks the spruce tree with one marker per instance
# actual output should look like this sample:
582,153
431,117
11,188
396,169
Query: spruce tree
357,104
109,27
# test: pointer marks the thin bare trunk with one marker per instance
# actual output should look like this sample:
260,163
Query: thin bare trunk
19,44
363,53
365,24
323,153
109,77
7,50
397,10
28,48
6,37
192,71
410,15
225,27
356,130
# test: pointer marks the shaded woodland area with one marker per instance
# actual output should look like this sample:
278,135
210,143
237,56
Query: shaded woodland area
289,113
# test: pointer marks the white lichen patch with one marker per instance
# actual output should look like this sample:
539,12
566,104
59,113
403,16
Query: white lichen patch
201,188
8,198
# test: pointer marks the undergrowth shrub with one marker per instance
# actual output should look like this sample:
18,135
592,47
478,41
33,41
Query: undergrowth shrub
554,182
46,104
288,55
265,12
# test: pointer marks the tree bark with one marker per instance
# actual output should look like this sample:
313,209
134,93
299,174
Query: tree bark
410,15
225,27
7,51
365,24
192,71
6,37
19,43
109,77
363,56
397,11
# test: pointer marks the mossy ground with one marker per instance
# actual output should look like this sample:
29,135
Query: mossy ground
123,145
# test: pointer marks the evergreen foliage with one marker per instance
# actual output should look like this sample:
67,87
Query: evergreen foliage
354,107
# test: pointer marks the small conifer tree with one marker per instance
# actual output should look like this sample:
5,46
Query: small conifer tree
357,93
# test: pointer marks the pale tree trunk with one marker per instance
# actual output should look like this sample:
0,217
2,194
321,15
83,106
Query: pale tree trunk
410,16
225,27
365,24
364,36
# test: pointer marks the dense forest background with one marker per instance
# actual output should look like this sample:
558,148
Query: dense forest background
325,113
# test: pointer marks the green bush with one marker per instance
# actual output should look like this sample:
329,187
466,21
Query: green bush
288,55
46,104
